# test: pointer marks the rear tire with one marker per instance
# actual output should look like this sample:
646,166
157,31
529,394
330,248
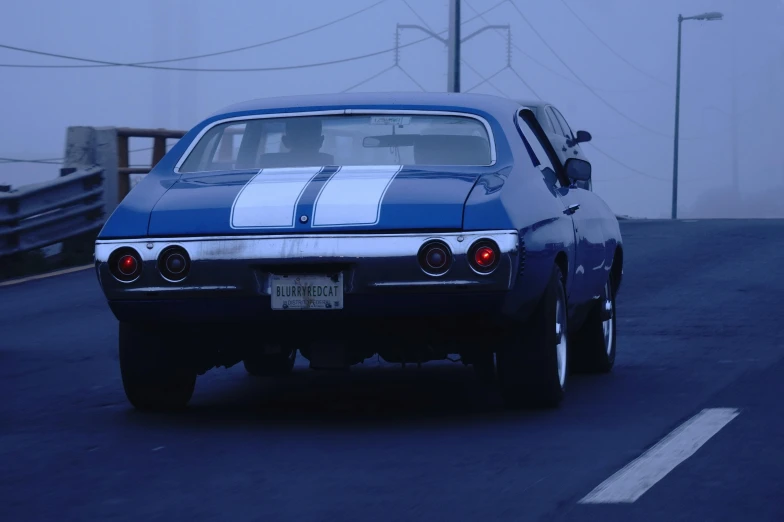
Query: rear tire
532,363
594,344
271,365
153,377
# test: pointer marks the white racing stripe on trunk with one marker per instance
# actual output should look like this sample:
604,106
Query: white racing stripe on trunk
353,196
269,199
628,484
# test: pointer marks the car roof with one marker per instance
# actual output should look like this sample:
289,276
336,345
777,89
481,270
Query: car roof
462,102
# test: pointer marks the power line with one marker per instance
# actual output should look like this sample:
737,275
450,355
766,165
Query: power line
188,69
481,76
630,168
591,90
56,161
528,86
373,77
627,62
641,173
53,161
543,65
411,78
424,22
197,69
462,60
487,80
195,57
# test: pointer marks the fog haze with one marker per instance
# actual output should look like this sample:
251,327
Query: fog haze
626,103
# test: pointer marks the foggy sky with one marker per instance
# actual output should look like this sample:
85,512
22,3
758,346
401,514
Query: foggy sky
39,104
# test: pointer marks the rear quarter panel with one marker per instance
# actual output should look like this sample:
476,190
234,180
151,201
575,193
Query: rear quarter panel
131,218
520,197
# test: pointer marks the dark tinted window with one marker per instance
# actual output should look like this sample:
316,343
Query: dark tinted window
554,120
535,148
546,122
565,126
350,140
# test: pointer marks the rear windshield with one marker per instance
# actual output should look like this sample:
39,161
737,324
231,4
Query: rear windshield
311,141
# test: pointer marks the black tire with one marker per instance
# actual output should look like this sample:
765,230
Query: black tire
153,377
594,344
529,372
271,365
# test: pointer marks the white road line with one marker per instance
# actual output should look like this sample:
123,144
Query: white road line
47,275
270,198
353,196
628,484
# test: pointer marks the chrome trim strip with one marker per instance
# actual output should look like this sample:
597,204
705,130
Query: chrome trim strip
181,289
483,121
179,240
427,283
371,263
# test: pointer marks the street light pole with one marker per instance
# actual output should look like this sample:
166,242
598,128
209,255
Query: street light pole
677,125
734,101
708,17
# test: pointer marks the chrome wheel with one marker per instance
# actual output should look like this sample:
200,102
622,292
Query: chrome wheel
561,337
608,316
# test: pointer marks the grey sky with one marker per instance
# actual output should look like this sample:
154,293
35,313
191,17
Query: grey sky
38,104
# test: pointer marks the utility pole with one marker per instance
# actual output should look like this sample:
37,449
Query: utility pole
453,41
453,67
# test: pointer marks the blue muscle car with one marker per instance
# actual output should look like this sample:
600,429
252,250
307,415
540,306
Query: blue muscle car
413,226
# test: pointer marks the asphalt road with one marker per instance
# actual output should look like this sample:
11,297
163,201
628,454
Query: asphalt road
699,318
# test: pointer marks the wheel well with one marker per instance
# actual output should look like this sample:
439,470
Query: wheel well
617,269
563,263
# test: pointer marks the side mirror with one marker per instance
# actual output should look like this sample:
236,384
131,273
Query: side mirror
577,169
583,137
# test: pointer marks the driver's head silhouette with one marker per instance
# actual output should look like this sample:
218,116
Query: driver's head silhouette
303,135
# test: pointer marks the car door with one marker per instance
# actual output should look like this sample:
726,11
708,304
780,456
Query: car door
546,162
585,210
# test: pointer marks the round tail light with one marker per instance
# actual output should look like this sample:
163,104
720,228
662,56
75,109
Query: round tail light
435,258
484,256
125,264
174,263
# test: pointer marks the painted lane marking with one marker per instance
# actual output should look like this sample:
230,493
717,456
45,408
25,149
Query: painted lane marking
47,275
270,198
628,484
353,196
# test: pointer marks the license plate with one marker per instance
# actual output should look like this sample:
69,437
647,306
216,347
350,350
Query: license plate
306,292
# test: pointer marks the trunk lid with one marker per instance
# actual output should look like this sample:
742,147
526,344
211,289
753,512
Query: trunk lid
315,200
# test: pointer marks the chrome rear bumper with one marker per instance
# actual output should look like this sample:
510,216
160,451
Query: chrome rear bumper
370,263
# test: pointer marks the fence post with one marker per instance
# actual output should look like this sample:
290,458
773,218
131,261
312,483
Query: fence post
158,149
90,146
106,157
123,160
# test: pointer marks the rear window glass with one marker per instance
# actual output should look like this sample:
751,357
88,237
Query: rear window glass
310,141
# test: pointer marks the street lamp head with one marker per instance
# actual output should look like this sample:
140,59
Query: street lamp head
709,16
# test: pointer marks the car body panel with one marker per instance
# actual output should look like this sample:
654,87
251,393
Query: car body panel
380,198
524,207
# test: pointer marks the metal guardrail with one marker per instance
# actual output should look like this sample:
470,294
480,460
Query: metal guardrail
43,214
